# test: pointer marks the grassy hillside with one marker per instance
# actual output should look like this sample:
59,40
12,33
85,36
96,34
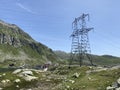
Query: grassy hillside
98,60
17,47
106,60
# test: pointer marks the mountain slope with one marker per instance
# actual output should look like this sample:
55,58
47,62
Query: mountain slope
97,60
18,47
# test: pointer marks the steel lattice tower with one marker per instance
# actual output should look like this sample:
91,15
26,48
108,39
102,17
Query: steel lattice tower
80,48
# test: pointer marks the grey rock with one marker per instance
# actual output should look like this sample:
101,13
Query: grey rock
118,81
27,72
17,71
110,88
17,80
76,75
117,88
29,78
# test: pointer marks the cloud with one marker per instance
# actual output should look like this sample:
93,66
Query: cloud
25,8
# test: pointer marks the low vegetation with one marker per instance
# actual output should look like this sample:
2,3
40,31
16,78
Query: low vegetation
63,78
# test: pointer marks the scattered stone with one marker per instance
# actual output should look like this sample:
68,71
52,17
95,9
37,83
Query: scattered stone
117,88
100,69
45,69
84,86
76,75
72,81
4,74
48,80
27,73
110,88
67,87
115,67
5,81
115,84
17,86
29,89
90,67
43,75
88,72
89,78
17,81
17,71
118,81
29,78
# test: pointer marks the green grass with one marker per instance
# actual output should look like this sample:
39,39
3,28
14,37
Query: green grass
61,78
97,81
8,49
24,84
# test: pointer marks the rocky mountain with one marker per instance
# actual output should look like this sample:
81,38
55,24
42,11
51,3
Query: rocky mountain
17,47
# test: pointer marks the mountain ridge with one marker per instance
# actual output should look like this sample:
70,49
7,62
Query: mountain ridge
104,60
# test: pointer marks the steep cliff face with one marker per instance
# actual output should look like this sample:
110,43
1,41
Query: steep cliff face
18,46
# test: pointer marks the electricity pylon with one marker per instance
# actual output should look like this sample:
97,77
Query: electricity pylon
80,48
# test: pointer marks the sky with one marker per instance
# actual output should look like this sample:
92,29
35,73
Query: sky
50,22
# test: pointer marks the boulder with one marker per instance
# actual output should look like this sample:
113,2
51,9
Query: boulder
117,88
4,74
27,72
76,75
72,81
110,88
29,78
67,86
17,80
115,67
17,71
45,69
118,82
89,78
5,81
17,86
29,89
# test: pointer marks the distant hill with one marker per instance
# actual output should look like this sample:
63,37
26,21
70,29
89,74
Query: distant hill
106,60
62,54
17,47
98,60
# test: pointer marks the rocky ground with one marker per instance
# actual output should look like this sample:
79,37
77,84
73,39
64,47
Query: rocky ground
62,78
